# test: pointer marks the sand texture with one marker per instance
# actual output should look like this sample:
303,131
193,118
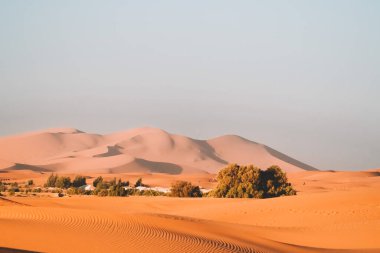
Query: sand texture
333,212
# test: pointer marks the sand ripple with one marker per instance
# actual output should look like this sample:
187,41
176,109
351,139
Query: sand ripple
119,232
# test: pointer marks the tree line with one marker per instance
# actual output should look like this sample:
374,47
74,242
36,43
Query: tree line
234,181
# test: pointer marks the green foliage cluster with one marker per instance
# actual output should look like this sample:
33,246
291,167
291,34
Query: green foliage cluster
37,190
14,187
78,191
79,181
139,182
148,192
97,181
3,187
110,188
115,188
185,189
52,179
64,182
237,181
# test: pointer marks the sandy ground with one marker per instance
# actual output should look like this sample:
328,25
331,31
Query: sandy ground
333,212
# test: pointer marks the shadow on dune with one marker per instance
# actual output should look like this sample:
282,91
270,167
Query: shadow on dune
210,151
141,165
10,250
111,151
12,202
21,166
289,160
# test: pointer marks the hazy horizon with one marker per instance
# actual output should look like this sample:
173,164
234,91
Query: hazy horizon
299,76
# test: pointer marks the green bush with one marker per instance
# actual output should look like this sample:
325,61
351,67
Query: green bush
275,183
139,182
236,181
3,188
97,181
79,181
11,192
185,189
37,190
117,189
152,193
103,193
72,191
52,179
63,182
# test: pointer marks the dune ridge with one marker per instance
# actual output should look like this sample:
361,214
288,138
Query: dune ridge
137,150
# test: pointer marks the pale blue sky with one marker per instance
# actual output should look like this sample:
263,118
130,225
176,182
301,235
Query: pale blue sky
300,76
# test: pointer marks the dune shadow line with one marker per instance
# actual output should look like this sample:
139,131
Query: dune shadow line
11,250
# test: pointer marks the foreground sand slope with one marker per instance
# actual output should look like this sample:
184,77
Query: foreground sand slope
333,212
137,150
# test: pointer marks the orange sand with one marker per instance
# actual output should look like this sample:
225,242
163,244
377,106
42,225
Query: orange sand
333,212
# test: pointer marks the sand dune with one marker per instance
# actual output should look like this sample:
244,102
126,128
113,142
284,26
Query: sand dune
136,150
336,212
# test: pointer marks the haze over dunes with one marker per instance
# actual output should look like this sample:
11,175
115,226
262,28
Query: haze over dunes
137,150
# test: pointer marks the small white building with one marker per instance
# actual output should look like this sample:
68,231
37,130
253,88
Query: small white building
88,187
142,188
205,190
161,189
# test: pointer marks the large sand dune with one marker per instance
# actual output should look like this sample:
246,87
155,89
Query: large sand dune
136,150
336,212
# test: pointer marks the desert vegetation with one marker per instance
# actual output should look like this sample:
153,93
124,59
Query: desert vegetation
185,189
236,181
64,182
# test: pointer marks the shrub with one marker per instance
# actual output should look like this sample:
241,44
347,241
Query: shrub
11,192
97,181
37,190
63,182
30,182
3,188
72,191
236,181
133,191
152,193
139,182
275,183
79,181
52,179
81,191
103,193
125,183
185,189
117,189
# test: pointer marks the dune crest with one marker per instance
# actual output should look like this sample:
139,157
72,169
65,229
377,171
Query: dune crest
137,150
